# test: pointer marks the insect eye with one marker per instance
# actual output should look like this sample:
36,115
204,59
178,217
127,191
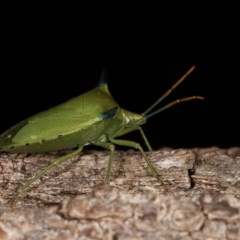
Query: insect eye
128,120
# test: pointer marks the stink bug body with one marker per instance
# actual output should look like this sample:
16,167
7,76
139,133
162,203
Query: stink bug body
91,118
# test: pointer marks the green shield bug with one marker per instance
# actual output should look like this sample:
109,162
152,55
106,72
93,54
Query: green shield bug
95,119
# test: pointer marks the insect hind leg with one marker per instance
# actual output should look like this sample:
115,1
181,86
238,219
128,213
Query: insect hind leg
57,161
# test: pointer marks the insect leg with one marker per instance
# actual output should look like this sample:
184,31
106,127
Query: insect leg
138,146
111,148
138,128
44,170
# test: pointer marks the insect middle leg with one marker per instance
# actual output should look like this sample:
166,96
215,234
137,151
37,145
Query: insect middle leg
109,146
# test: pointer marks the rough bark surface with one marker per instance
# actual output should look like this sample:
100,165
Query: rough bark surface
202,200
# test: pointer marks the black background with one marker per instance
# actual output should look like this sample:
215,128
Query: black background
45,63
32,86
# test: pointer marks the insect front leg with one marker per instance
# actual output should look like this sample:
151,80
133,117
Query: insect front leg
137,128
138,147
44,170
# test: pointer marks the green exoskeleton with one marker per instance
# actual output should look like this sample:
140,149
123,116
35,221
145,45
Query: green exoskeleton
91,118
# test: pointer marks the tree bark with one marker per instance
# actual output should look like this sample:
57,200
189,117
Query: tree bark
200,198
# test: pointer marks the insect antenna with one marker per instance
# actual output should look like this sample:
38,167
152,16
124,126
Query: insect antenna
169,91
173,103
